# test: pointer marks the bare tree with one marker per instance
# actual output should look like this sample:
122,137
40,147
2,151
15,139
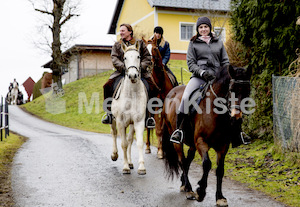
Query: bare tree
59,12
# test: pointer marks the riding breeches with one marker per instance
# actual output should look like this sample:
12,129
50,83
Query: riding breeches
192,85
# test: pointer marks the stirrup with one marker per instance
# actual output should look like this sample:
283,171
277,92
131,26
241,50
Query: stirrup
243,134
109,117
150,126
181,136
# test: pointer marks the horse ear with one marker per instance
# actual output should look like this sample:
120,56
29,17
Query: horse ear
137,45
231,71
124,47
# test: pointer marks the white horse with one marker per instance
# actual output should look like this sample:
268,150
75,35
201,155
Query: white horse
129,109
14,93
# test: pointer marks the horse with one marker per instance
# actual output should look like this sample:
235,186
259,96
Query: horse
209,129
14,93
164,85
129,109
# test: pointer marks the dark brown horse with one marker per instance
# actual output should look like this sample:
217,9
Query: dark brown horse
209,129
164,85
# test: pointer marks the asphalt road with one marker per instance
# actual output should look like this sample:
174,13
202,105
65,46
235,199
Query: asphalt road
60,166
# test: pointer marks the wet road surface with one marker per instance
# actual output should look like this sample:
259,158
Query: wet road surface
60,166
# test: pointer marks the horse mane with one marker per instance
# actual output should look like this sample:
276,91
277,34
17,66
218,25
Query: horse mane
223,77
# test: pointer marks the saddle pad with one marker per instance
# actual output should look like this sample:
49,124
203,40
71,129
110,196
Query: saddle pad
117,90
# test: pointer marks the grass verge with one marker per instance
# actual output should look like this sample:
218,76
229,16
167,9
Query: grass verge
8,148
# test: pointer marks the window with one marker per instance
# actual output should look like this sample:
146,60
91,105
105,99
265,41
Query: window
187,30
220,32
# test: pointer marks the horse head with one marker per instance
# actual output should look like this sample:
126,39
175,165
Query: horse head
239,89
132,61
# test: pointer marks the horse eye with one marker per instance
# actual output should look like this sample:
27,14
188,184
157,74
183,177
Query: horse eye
125,58
139,57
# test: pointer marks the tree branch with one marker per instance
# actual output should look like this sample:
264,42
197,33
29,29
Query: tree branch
44,12
68,18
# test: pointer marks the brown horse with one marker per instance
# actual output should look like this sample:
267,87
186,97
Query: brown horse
164,85
209,129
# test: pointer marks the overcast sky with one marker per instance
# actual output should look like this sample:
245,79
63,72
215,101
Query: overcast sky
18,21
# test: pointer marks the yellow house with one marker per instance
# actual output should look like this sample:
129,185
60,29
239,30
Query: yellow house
177,17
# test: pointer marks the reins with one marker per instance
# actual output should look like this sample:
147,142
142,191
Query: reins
232,82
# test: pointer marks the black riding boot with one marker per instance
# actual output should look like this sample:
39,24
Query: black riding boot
238,137
177,135
107,119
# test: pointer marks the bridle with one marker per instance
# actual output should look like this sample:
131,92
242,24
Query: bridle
232,83
132,66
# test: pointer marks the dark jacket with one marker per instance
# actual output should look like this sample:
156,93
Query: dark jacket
212,55
164,49
117,56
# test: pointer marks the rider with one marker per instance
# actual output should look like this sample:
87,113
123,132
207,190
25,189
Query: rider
117,55
206,53
164,49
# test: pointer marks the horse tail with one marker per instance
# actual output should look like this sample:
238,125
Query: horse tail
170,154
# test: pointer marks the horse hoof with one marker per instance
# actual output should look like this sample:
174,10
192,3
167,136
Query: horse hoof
126,171
200,195
222,202
130,165
160,156
190,195
182,188
142,172
147,151
114,156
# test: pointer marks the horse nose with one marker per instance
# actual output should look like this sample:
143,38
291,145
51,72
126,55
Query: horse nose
236,113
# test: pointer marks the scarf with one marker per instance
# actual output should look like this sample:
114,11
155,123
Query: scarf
205,38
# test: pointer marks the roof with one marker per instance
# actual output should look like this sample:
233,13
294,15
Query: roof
28,85
219,5
216,5
79,48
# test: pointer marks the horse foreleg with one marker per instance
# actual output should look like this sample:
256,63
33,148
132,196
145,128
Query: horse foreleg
130,140
206,164
124,144
158,131
139,129
114,133
186,185
220,199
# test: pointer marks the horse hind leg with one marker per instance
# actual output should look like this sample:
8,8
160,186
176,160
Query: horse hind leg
148,149
220,199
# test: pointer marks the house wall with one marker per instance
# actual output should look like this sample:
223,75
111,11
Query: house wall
140,15
92,63
71,75
89,63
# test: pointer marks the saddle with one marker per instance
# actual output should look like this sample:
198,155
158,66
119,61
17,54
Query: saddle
197,95
172,79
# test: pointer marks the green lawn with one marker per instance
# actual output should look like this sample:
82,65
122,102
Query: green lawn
8,148
261,165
